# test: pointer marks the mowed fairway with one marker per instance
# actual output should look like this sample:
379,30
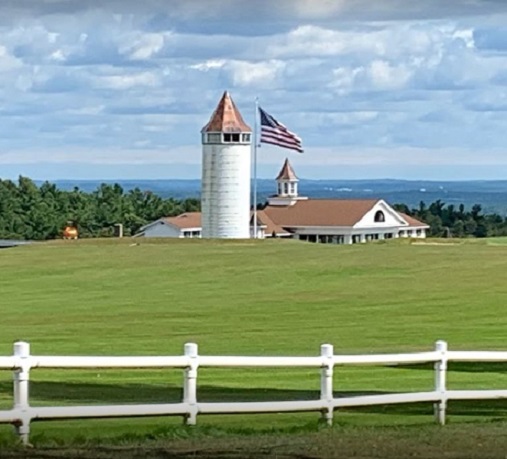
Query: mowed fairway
141,297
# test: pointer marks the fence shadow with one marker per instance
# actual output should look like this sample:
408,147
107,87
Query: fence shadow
465,367
73,393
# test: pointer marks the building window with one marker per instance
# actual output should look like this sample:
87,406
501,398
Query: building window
418,232
379,217
245,137
286,188
292,188
214,138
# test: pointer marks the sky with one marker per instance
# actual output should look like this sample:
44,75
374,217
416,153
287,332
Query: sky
117,89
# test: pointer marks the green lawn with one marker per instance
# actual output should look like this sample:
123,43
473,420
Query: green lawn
140,297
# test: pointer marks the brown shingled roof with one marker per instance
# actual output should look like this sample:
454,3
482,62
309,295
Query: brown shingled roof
413,221
271,226
286,173
186,220
226,118
320,212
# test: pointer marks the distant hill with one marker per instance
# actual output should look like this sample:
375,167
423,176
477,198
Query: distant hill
492,195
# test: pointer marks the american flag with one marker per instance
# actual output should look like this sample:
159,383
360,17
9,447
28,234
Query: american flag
275,133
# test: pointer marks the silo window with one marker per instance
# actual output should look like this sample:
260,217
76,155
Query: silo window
214,138
231,138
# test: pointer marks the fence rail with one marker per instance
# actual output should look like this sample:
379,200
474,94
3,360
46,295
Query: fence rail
21,363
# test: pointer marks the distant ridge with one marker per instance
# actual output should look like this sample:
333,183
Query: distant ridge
490,194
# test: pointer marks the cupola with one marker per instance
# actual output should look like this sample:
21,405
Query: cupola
287,187
287,181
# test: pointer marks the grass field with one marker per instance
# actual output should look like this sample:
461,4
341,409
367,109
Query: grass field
111,297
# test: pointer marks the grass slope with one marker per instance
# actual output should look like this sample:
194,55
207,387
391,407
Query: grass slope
112,297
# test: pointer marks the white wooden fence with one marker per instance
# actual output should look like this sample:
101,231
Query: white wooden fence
21,362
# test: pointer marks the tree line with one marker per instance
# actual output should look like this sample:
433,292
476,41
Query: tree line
32,212
456,221
38,213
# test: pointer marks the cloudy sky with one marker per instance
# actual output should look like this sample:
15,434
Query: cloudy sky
376,89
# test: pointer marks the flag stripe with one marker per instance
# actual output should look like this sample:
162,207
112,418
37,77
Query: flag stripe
283,145
280,133
275,133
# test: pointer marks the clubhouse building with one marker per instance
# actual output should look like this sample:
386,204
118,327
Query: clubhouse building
289,215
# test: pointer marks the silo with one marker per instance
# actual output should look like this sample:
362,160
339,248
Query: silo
225,186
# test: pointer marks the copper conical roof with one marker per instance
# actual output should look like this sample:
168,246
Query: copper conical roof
226,118
287,173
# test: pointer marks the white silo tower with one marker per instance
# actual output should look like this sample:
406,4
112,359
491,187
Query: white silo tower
225,185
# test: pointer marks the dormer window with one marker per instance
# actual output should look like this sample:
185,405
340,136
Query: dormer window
379,217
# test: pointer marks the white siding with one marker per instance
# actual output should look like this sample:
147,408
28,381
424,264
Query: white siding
392,218
206,183
161,230
226,191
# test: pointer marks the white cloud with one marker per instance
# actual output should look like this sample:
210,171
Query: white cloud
143,46
209,65
386,76
259,74
7,61
309,40
58,55
121,82
244,73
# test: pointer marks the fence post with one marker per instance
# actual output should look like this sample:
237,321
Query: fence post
440,381
326,382
21,377
190,383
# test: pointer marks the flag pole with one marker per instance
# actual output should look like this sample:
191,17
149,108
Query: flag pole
255,169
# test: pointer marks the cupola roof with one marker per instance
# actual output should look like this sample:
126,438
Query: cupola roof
287,173
226,118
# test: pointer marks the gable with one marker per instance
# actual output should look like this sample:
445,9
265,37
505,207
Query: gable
381,215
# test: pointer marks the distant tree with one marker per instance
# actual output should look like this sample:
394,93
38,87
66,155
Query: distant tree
446,221
31,212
